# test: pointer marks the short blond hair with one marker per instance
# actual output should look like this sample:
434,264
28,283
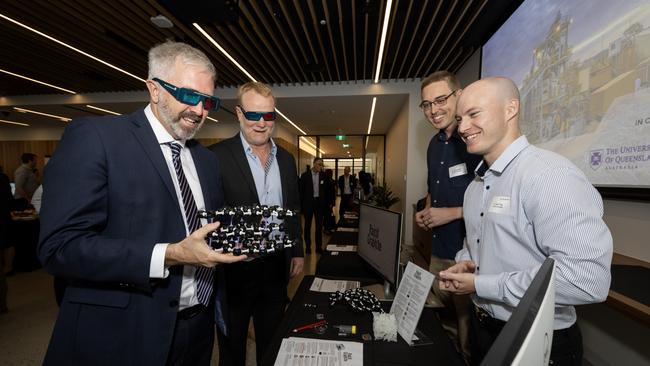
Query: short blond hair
260,88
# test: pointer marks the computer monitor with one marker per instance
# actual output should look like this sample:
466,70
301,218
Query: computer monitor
380,233
527,337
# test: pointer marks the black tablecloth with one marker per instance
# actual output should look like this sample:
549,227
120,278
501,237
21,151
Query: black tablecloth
441,351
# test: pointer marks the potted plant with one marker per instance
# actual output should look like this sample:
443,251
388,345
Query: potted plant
382,196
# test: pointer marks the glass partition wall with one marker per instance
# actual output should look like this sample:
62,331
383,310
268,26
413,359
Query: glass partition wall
361,153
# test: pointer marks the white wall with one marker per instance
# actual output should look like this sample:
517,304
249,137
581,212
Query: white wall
396,155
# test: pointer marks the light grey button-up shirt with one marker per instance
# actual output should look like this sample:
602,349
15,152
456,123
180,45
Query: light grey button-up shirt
529,205
267,178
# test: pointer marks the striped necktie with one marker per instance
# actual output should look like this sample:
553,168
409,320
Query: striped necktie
204,277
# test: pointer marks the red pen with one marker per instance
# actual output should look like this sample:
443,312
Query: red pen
309,326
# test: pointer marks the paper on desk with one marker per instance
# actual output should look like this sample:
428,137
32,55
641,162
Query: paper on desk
323,285
319,352
348,229
409,300
341,248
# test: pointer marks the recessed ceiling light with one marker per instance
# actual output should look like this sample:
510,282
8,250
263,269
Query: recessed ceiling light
23,110
103,110
382,43
13,123
38,81
240,67
212,119
71,47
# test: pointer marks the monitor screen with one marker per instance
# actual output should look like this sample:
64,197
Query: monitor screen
527,337
379,240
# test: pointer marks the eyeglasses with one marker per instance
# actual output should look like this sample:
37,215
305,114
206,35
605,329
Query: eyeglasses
255,116
438,102
191,97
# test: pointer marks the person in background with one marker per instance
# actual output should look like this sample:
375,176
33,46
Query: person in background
119,221
526,204
26,178
312,203
255,170
450,169
346,185
329,223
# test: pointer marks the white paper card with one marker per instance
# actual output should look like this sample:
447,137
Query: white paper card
409,300
457,170
341,248
323,285
500,205
319,352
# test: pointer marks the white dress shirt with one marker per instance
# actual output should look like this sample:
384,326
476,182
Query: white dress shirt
157,268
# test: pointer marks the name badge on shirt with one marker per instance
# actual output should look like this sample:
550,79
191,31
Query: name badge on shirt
456,170
500,205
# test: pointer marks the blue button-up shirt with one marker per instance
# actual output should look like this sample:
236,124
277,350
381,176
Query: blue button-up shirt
528,205
451,169
267,178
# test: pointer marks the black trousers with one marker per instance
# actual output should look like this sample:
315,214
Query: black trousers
316,212
566,348
256,289
345,204
193,339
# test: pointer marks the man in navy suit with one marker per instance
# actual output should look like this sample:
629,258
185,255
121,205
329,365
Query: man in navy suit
119,219
313,202
255,170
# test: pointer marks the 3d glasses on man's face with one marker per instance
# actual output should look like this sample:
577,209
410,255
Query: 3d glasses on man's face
255,116
191,97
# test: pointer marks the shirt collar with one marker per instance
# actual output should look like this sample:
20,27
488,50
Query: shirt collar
159,130
442,136
508,155
248,149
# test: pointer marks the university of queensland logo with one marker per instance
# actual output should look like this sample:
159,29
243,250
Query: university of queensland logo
596,159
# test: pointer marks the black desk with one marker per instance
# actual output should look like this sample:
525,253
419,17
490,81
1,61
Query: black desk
440,352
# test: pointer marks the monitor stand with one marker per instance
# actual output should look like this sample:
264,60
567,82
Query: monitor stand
382,291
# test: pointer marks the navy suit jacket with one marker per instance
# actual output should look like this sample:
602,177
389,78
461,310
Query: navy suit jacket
108,198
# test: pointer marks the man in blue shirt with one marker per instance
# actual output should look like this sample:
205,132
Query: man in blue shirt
525,204
450,170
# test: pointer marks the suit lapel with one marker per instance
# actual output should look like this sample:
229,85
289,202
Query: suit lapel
239,156
284,172
202,171
143,132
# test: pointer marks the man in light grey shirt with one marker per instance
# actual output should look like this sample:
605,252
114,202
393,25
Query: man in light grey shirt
25,177
525,204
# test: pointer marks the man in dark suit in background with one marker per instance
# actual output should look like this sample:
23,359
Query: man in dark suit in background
312,203
257,171
346,189
119,221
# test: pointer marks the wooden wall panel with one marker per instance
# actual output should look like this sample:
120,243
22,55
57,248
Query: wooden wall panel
10,152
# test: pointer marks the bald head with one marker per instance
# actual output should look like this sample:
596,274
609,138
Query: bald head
502,89
487,113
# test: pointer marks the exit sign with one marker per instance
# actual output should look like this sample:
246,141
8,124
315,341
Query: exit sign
340,137
346,146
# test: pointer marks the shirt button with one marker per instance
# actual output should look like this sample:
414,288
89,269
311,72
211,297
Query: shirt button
478,241
487,187
481,214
